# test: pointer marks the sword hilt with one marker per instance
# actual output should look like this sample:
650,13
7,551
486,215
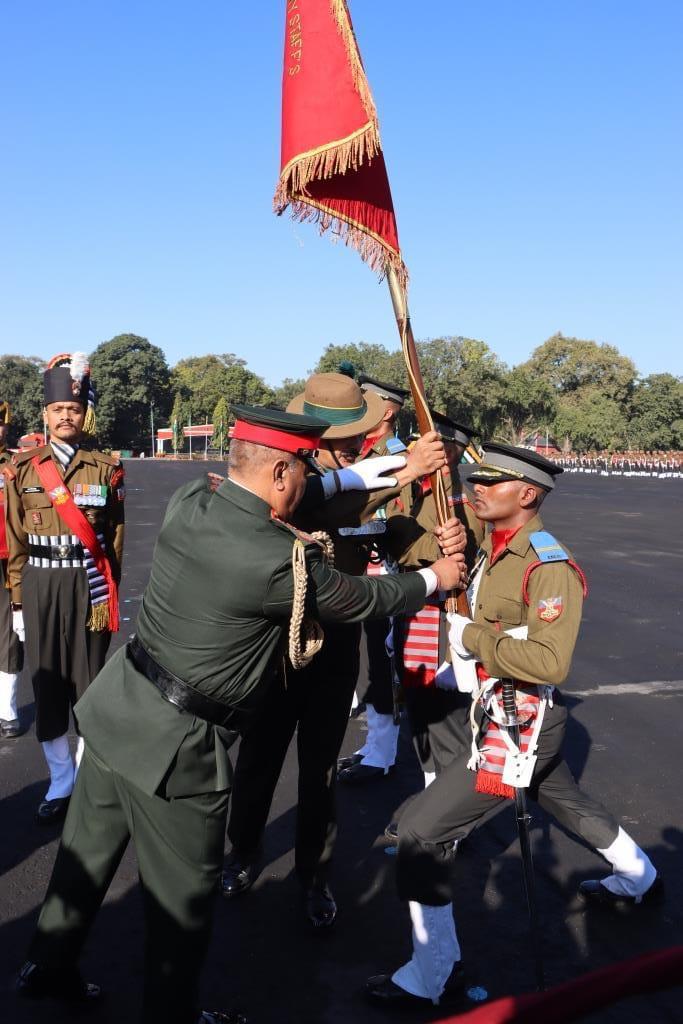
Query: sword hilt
509,703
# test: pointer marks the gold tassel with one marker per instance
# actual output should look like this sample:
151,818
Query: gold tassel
90,423
99,617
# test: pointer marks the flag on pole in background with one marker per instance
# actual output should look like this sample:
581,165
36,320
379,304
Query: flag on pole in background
332,166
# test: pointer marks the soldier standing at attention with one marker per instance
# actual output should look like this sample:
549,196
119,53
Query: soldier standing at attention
526,600
160,717
11,625
65,539
378,753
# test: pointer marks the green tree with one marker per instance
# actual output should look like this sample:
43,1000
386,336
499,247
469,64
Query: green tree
283,395
21,384
203,380
464,379
528,402
220,420
178,421
591,420
656,413
375,360
130,376
572,364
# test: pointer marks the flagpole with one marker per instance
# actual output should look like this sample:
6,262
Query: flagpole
425,423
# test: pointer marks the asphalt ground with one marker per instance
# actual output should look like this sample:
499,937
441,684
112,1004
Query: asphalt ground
623,743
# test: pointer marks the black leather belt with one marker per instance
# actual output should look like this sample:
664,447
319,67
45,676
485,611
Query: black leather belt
181,694
57,552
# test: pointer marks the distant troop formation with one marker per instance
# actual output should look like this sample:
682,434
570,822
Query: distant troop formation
662,465
326,530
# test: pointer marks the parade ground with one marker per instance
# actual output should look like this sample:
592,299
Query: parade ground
624,745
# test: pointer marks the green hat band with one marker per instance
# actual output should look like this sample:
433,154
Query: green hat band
336,417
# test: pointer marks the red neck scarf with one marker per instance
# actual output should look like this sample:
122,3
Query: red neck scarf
500,540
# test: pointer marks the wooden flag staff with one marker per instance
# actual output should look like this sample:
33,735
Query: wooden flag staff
425,423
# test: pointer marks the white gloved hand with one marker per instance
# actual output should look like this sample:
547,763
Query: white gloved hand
363,476
18,624
456,627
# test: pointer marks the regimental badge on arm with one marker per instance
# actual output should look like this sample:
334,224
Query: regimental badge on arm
549,608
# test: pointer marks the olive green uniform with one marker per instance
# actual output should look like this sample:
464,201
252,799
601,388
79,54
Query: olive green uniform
64,655
314,702
438,718
215,614
449,808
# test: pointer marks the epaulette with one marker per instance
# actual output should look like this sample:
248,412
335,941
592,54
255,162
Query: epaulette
547,548
108,460
395,446
30,453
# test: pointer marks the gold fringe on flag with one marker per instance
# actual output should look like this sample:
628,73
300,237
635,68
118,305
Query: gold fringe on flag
371,249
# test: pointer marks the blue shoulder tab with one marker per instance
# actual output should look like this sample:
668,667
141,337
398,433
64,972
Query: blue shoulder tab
395,446
547,548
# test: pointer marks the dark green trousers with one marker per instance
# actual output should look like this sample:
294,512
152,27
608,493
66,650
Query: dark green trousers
179,846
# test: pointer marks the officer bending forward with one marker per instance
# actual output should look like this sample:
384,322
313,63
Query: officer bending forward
156,765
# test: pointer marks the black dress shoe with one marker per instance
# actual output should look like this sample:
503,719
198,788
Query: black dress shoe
35,982
238,878
359,773
220,1017
391,832
10,728
346,762
50,812
382,991
594,892
321,909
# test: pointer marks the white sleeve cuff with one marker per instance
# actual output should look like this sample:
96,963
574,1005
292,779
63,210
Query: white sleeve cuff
431,580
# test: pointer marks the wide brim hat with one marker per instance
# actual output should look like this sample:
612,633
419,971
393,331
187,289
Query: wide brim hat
338,400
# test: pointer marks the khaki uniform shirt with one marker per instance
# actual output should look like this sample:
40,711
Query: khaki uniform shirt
412,521
29,509
553,614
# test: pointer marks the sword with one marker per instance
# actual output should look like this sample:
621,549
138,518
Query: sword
523,819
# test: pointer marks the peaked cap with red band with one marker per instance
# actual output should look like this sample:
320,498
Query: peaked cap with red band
276,429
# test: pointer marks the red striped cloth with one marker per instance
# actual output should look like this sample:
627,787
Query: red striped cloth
421,647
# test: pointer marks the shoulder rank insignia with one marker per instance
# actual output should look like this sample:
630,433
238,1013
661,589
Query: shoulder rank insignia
395,446
547,548
549,609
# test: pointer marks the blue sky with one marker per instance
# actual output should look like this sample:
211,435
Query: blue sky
534,151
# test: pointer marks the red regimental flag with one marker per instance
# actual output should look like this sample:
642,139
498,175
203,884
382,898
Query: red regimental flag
332,166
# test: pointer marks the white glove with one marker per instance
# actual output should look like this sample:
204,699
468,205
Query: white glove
18,624
363,476
456,628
